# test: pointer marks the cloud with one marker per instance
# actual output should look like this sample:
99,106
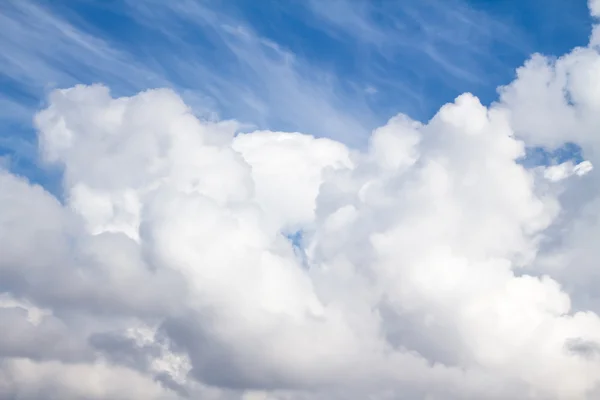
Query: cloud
594,7
256,79
435,264
22,378
44,49
430,34
275,76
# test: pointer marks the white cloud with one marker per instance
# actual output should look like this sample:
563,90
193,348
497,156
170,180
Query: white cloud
566,169
594,7
287,170
437,266
48,380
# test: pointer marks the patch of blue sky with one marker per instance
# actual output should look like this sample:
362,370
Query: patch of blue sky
297,241
536,156
334,68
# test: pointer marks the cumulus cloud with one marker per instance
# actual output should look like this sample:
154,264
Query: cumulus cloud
434,264
594,8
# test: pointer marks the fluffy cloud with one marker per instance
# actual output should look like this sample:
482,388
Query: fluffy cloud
433,264
594,8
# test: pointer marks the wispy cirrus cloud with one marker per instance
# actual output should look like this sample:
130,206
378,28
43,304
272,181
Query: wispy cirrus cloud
256,80
447,44
42,49
335,68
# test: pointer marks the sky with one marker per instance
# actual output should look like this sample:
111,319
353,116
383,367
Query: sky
332,69
299,200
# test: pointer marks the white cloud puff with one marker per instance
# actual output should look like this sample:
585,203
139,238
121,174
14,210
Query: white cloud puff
594,8
434,266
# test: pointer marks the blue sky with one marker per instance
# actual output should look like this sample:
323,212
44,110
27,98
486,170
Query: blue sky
335,68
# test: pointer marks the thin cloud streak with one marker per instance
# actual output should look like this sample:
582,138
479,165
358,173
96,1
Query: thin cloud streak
279,89
447,39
